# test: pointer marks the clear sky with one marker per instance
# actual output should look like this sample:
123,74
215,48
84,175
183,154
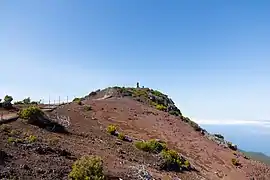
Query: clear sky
212,57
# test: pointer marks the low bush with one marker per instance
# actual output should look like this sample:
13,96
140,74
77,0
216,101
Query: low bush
93,93
232,146
8,99
173,162
111,129
161,107
175,113
219,136
121,136
30,114
76,99
139,93
35,116
152,146
26,100
79,102
195,126
157,93
7,105
87,168
14,140
31,138
235,162
18,103
87,108
34,102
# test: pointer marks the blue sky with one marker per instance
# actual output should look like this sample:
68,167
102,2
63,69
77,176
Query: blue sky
211,57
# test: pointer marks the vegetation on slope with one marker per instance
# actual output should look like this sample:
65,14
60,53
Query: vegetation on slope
87,167
91,167
27,101
7,102
157,100
30,114
152,146
35,116
171,160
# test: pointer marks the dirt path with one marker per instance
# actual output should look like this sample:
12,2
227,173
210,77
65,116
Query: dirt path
13,115
4,118
8,116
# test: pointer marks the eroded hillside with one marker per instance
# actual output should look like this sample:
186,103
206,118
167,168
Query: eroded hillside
178,147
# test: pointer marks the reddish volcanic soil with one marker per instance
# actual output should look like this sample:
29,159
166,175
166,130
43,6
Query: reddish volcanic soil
52,155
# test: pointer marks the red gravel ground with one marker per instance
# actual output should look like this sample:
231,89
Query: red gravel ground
87,135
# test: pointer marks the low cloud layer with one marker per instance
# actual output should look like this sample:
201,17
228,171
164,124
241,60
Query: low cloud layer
264,123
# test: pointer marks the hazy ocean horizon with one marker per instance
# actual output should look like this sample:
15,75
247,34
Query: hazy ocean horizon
247,137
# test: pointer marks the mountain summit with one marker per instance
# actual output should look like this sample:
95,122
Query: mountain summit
118,133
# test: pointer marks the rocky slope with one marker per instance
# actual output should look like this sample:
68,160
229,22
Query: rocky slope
32,152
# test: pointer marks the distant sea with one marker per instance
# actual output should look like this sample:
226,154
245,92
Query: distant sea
247,137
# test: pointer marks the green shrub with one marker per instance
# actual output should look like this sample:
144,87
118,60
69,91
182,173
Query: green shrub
8,99
30,113
152,146
139,93
121,89
186,119
195,126
15,140
76,99
18,103
186,164
11,139
26,100
111,129
219,136
79,102
121,136
235,162
6,105
34,102
87,168
93,93
157,93
153,103
175,113
232,146
161,107
173,162
31,138
87,108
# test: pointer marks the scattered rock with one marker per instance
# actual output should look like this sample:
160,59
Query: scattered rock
3,156
118,143
40,171
24,166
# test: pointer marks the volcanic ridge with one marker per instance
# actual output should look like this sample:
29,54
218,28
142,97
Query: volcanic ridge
117,133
